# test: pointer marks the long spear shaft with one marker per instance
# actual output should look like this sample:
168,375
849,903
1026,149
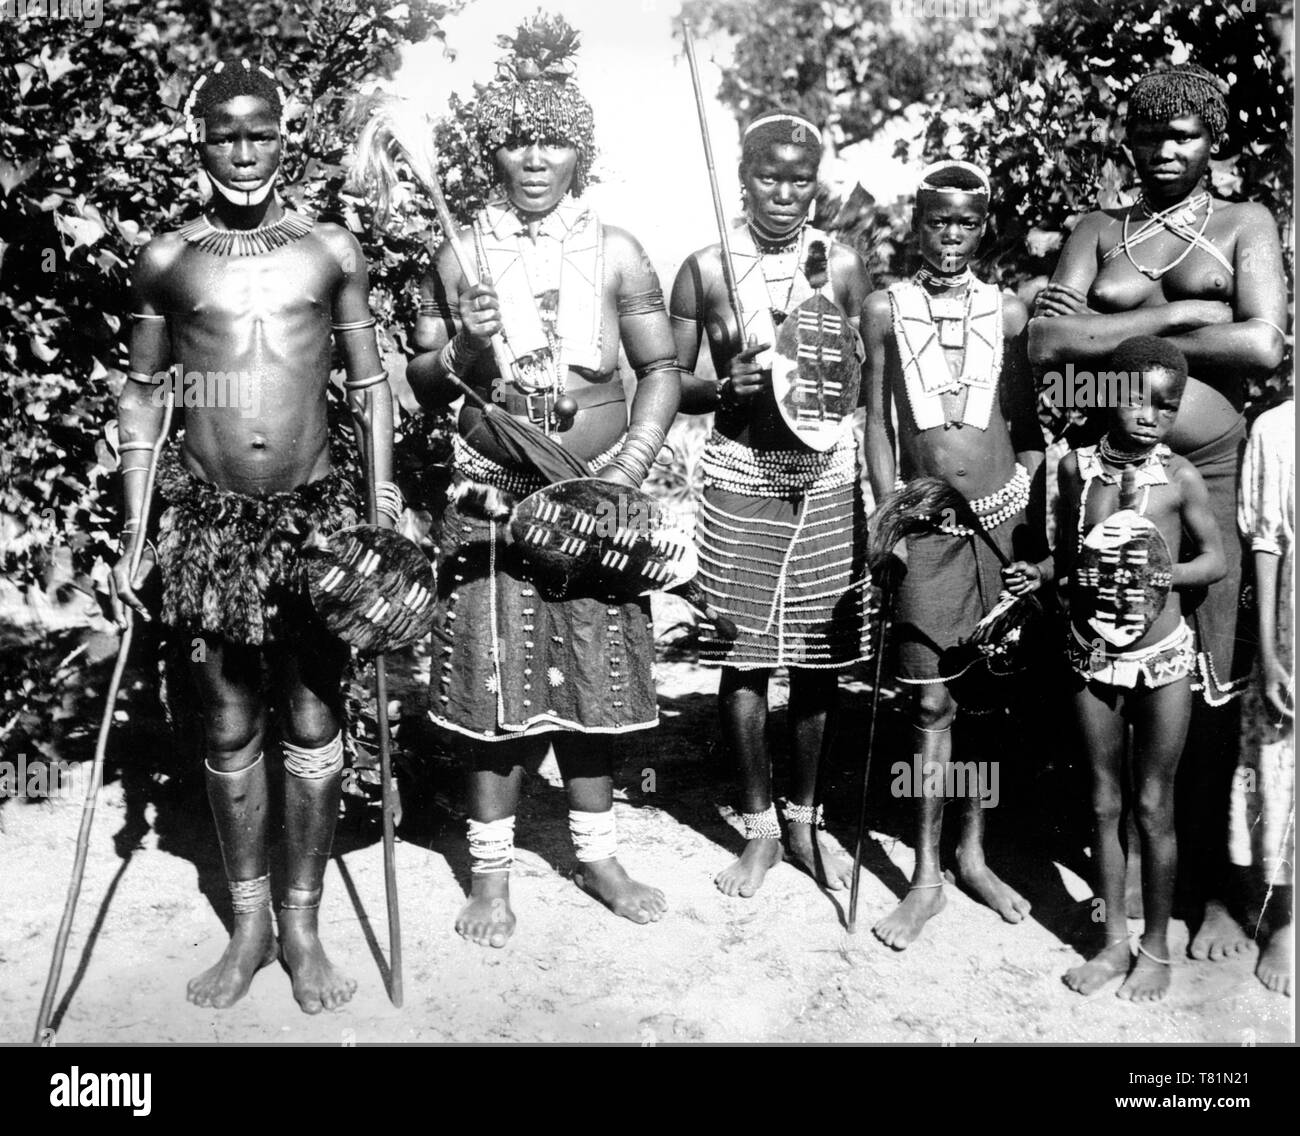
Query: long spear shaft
101,744
720,215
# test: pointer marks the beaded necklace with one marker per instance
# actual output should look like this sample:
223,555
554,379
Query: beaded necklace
1176,219
786,258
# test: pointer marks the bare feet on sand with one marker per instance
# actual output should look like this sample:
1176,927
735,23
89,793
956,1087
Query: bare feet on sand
487,918
1275,961
1148,981
606,881
1220,936
317,985
1112,961
746,875
251,947
975,877
821,857
900,928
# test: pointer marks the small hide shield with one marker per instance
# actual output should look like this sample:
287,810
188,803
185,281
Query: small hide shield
589,532
1122,578
816,372
371,587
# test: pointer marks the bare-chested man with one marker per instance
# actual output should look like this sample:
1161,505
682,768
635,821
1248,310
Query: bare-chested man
519,666
243,299
949,352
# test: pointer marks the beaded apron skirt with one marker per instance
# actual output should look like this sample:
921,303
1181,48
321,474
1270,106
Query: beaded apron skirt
781,554
510,659
230,563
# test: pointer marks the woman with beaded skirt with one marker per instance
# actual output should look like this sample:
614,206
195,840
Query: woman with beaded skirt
780,522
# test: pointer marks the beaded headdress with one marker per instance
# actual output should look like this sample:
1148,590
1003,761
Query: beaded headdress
534,95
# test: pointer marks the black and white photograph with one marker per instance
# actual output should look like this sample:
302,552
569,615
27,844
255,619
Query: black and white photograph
647,523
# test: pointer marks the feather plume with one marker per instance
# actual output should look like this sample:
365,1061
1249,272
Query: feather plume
391,129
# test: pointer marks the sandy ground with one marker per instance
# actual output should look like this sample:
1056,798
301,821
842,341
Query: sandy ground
777,968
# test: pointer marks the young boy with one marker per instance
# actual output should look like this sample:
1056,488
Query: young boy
947,350
1123,507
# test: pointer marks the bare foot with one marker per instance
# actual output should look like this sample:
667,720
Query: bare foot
251,947
746,875
1220,936
606,881
317,985
1275,962
977,878
487,918
1111,962
824,860
900,928
1149,979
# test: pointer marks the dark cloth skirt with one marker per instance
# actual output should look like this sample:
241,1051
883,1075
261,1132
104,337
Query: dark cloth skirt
230,563
509,661
789,572
951,584
1223,657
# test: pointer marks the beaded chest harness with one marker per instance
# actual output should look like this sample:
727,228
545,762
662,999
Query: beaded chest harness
550,290
924,325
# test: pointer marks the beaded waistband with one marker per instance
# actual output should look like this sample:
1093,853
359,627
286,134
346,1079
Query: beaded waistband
995,508
738,468
477,466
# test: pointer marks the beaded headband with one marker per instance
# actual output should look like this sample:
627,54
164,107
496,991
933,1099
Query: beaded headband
194,123
801,126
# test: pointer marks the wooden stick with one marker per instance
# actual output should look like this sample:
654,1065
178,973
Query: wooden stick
720,215
388,793
101,744
886,604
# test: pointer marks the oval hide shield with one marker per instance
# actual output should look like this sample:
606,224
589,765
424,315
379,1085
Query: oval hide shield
816,372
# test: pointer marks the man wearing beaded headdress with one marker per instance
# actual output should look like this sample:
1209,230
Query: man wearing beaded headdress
948,352
518,664
256,290
779,518
1207,275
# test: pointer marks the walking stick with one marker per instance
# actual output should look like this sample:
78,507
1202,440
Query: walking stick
388,794
886,606
724,232
101,745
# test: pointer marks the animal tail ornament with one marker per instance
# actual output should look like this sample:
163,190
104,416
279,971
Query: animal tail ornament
391,128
